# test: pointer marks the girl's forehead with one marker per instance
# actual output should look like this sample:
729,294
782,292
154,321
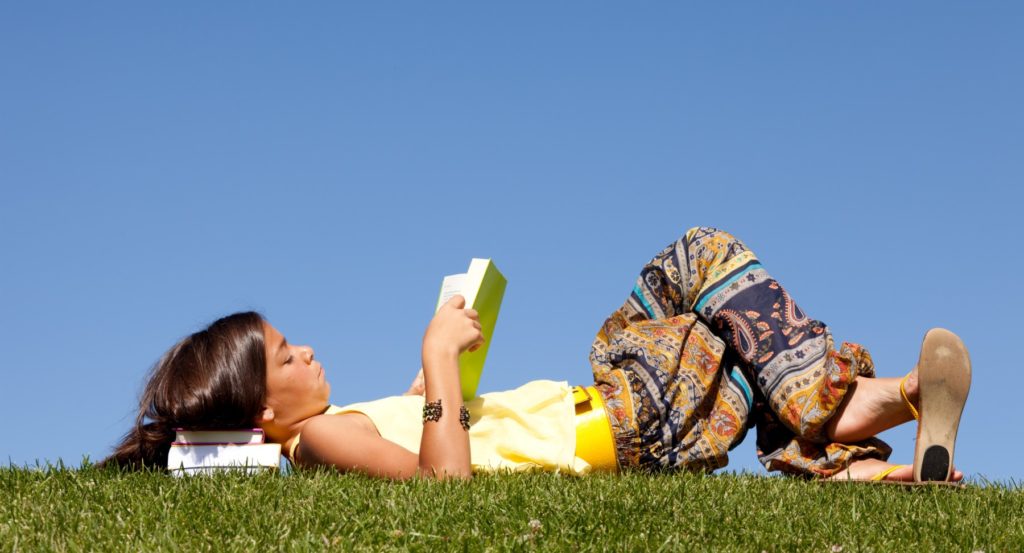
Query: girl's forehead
273,340
269,331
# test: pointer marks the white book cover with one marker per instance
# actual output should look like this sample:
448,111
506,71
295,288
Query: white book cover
217,437
204,459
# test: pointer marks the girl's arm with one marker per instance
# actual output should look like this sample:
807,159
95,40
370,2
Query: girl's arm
342,442
444,446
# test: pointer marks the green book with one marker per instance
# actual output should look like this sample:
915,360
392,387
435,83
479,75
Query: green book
483,286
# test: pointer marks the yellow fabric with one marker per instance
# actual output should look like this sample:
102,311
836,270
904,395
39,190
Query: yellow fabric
530,427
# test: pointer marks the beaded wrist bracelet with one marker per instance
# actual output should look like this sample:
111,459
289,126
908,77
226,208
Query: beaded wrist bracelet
432,413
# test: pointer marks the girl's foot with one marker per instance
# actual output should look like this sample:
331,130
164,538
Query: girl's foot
868,469
871,406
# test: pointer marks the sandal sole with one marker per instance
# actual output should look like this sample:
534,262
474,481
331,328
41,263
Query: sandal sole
944,380
897,483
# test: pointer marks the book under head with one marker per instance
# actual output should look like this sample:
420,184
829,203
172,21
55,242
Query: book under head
205,459
219,436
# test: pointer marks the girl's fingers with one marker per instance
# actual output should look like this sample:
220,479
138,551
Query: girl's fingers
457,301
472,314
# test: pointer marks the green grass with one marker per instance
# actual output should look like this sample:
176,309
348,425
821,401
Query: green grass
91,509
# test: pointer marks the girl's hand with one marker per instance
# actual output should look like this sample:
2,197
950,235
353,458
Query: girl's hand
453,330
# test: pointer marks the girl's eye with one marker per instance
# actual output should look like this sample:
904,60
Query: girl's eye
289,360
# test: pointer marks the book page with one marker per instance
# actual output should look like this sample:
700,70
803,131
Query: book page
452,285
474,279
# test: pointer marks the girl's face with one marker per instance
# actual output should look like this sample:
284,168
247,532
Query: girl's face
296,386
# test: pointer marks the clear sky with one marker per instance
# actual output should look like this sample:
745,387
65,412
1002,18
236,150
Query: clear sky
163,164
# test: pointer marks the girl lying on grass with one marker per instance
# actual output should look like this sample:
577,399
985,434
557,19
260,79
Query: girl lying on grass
706,345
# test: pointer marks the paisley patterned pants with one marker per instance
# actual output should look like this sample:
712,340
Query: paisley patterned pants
708,345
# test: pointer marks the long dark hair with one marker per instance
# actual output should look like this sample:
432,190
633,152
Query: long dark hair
213,379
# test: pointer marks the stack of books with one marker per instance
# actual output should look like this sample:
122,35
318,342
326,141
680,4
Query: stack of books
211,451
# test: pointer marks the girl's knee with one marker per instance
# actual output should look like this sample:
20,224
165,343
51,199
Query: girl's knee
717,239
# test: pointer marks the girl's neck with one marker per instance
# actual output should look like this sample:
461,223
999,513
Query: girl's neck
283,429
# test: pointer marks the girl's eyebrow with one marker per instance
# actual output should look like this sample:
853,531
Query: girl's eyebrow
282,345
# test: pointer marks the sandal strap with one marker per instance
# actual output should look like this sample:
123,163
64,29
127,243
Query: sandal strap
906,399
881,476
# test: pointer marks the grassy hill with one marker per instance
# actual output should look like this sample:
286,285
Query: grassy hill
90,509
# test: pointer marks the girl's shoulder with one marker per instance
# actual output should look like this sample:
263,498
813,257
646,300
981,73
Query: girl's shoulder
334,425
345,419
331,426
349,441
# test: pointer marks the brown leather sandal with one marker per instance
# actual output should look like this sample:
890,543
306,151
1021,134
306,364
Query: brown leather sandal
944,379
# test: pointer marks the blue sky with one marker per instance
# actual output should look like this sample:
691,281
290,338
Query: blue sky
163,165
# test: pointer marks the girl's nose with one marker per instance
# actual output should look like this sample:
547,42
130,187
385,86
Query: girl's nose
307,354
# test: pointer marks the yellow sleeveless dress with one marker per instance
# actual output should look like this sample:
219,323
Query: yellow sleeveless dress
530,427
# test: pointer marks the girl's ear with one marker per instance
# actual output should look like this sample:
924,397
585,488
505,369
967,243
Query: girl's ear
266,415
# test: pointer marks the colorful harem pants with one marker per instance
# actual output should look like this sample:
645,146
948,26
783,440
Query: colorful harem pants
708,345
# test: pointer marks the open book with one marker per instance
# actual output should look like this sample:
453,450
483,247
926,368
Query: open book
483,286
